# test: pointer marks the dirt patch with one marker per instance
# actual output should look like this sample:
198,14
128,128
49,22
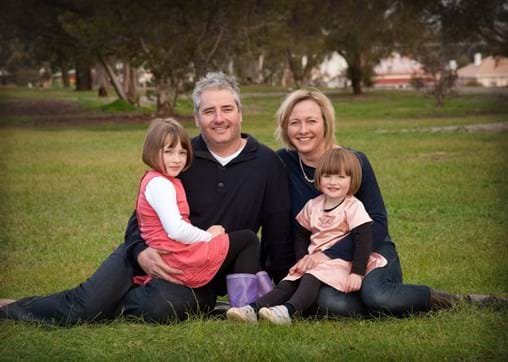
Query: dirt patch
49,113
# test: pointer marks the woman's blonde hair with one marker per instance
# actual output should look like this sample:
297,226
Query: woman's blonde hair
160,132
339,161
292,99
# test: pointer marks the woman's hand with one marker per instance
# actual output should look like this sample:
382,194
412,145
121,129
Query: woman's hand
216,230
150,260
353,283
308,262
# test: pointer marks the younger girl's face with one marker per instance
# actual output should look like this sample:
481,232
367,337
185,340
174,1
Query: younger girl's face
335,187
174,158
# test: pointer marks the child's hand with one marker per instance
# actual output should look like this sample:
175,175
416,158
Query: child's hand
216,230
308,262
353,283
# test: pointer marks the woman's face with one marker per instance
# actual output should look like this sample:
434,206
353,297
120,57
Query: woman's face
306,128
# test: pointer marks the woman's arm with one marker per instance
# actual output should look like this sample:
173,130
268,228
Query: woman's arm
370,195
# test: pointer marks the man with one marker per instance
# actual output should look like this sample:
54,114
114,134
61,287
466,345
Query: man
234,181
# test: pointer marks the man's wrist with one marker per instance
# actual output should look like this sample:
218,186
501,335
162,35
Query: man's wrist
137,249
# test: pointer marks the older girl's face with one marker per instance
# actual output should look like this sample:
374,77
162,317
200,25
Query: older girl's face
174,158
306,129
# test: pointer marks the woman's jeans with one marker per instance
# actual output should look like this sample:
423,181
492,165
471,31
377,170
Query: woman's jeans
109,293
382,292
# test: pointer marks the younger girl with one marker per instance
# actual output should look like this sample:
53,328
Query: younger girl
323,221
163,215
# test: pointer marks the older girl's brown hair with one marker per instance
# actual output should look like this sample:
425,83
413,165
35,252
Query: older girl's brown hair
160,132
339,161
292,99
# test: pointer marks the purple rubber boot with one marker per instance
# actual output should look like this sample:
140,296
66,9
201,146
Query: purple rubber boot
242,289
265,283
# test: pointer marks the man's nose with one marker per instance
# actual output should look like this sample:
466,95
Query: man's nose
219,116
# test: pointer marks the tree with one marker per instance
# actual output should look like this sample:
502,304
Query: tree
301,40
35,26
365,31
480,22
451,28
359,30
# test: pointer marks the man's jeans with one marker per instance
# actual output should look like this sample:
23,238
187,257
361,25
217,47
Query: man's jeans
109,293
382,292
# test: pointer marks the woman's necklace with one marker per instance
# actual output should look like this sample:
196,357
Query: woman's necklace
303,172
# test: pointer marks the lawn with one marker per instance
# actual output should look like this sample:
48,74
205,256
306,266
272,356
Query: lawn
67,191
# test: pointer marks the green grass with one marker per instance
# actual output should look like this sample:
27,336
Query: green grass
66,194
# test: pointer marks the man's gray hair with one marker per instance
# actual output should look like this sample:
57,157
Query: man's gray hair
216,80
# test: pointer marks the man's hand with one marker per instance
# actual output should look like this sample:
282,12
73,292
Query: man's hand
151,262
308,262
353,283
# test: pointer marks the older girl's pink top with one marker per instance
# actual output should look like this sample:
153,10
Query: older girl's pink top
199,261
328,228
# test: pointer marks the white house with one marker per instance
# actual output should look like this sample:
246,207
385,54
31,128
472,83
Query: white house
488,72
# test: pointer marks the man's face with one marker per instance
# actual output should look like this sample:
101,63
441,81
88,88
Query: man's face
219,118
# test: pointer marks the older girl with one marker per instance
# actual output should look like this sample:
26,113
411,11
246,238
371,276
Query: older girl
163,215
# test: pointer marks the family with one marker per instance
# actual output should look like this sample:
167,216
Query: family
323,226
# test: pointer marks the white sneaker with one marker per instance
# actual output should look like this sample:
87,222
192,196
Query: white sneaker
276,315
242,314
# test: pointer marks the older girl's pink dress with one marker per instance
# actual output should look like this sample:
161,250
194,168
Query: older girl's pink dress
328,228
199,261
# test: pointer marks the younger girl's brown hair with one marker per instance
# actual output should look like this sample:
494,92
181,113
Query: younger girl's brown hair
160,132
339,161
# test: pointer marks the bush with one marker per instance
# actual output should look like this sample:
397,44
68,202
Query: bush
119,106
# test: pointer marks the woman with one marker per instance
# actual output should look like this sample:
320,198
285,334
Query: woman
306,125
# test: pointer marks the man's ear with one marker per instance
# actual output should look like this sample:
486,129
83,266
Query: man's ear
196,119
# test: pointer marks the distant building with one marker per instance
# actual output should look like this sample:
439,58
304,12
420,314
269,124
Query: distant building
331,72
488,72
397,71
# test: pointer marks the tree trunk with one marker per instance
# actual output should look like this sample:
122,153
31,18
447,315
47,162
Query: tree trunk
131,83
164,99
113,77
101,79
83,76
65,74
294,68
355,74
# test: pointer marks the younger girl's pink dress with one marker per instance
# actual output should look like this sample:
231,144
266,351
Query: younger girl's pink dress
328,228
199,261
